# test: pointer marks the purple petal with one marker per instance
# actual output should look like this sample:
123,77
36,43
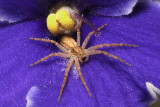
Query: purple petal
141,28
110,81
107,7
17,10
13,11
17,53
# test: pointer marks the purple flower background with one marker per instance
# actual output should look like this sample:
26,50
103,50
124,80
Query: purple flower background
110,81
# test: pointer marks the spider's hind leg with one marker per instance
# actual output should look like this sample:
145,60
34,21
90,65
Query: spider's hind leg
65,77
93,52
81,77
110,45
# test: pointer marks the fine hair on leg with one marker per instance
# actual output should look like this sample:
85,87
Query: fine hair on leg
81,77
50,55
110,45
79,33
51,41
89,35
93,52
71,60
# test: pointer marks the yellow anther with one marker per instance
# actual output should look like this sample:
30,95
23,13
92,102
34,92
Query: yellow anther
65,21
52,24
60,23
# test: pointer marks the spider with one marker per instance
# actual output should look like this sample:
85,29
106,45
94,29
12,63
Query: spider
72,50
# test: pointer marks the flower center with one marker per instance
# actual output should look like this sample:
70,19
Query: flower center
61,22
65,21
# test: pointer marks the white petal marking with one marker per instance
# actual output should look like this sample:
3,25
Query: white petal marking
153,91
31,93
157,3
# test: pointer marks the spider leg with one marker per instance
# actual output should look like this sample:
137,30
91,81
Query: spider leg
89,35
110,45
81,77
93,52
87,58
80,60
50,55
79,33
51,41
65,77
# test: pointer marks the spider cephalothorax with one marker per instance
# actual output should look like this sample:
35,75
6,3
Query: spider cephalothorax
72,50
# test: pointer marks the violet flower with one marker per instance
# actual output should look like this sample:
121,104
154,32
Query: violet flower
110,81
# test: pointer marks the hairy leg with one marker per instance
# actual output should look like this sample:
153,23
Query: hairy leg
110,45
51,41
89,35
93,52
87,58
65,77
79,33
80,60
81,77
50,55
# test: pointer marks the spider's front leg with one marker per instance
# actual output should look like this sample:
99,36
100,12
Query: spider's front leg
79,33
51,41
90,34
